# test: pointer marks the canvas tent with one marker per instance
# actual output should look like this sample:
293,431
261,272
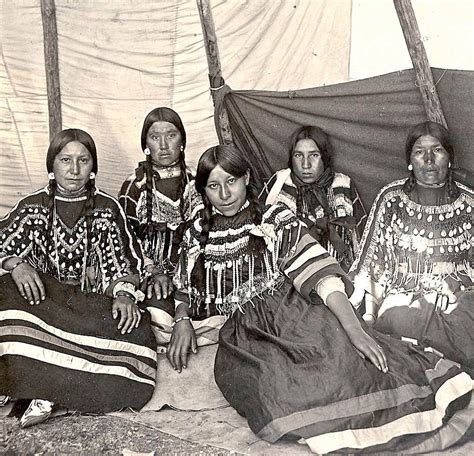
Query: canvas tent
118,60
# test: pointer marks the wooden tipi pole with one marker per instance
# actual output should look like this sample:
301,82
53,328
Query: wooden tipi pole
424,76
215,74
51,61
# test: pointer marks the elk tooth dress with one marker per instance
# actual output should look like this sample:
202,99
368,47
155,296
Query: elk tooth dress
67,349
285,363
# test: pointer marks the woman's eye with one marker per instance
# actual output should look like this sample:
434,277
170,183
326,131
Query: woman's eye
212,186
154,137
65,159
171,135
84,161
231,180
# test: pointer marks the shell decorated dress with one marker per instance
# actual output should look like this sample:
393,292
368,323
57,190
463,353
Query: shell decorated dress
285,363
160,246
417,262
67,349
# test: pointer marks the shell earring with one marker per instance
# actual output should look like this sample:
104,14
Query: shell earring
449,165
181,148
92,175
51,176
410,167
147,151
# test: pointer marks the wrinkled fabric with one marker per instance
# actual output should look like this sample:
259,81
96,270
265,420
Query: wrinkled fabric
367,122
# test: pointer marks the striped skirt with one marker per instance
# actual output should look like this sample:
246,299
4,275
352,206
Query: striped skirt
290,369
68,350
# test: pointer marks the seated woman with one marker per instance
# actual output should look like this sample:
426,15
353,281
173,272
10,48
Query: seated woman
416,260
71,331
293,358
159,198
326,201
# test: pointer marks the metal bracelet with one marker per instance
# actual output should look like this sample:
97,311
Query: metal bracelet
17,264
126,294
181,319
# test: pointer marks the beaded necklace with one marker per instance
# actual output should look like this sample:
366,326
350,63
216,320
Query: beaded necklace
70,197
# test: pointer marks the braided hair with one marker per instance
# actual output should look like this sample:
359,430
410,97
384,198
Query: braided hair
234,163
59,141
163,114
442,134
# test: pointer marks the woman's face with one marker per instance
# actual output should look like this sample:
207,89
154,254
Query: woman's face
226,192
164,141
307,162
72,166
430,160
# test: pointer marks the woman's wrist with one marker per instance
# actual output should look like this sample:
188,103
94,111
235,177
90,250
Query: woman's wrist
127,287
126,294
12,263
180,319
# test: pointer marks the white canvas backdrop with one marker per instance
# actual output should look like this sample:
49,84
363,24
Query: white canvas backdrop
120,59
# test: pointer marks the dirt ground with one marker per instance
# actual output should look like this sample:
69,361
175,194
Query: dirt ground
94,435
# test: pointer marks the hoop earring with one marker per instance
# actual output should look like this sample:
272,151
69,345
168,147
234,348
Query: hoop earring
92,175
410,167
51,176
147,151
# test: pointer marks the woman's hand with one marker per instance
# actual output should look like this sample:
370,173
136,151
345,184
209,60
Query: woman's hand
27,280
130,314
183,338
161,284
367,347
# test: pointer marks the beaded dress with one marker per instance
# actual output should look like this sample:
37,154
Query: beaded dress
68,349
413,256
160,245
285,363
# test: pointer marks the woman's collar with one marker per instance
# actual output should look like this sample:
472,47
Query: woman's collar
422,184
167,172
62,192
218,212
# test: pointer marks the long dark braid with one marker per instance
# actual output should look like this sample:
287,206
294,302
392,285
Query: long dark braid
182,185
88,208
234,163
206,221
162,114
149,192
59,141
52,187
409,184
451,187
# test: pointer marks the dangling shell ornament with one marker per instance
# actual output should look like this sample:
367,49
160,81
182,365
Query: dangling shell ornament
266,231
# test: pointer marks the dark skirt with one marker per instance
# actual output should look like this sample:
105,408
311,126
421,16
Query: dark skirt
451,334
68,350
290,369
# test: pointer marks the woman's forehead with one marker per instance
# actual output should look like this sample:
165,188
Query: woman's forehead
427,140
306,145
162,126
219,174
74,148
